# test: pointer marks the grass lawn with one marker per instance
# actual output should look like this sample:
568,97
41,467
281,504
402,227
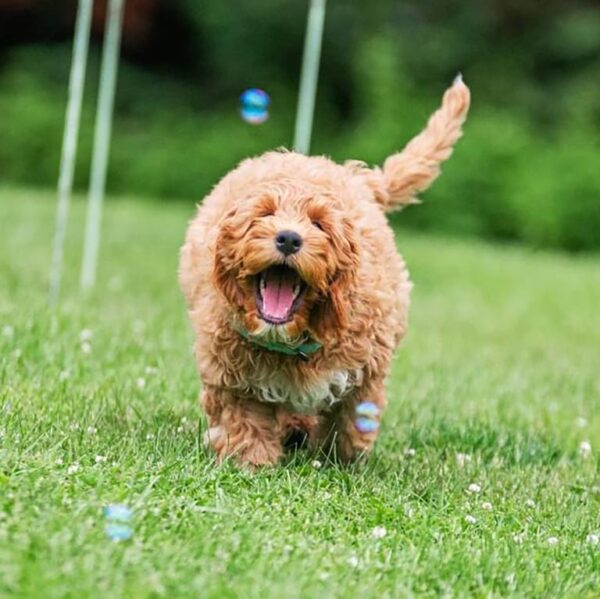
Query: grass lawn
478,479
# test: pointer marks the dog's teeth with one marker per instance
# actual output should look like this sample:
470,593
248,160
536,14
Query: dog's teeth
263,284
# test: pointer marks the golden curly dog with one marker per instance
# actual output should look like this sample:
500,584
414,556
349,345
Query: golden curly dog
297,295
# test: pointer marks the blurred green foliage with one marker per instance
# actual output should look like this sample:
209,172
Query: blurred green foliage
527,169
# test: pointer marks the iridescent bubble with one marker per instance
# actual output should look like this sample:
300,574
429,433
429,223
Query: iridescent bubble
118,511
117,531
367,408
366,425
117,526
255,103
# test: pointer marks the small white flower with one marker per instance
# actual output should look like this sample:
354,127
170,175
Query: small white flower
530,503
150,370
581,421
409,452
59,461
593,539
316,464
462,459
149,436
519,538
140,383
63,375
595,489
86,347
487,506
91,430
474,488
353,561
100,459
86,335
183,419
552,541
180,429
585,449
74,426
470,519
379,532
8,331
73,468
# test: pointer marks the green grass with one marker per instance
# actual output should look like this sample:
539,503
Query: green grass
500,363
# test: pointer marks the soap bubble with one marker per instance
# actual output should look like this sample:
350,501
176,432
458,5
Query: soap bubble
255,103
118,511
116,531
366,425
368,409
368,413
254,116
117,518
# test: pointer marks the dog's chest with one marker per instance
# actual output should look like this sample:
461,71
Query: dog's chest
321,394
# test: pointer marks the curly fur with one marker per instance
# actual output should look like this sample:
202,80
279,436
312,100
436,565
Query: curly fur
356,300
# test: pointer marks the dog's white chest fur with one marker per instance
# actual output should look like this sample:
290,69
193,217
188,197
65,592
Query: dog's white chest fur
330,389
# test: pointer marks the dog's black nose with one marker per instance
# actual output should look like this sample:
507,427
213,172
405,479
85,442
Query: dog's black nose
288,242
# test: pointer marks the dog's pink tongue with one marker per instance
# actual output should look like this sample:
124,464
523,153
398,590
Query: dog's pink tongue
278,295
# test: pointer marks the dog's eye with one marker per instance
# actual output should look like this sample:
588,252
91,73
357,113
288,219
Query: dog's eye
317,224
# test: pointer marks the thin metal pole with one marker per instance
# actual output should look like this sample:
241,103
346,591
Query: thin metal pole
309,76
106,95
81,42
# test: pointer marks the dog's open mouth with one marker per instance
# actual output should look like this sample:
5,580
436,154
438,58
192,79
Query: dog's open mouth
279,292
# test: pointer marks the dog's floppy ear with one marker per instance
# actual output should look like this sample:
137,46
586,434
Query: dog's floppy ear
225,281
224,266
417,166
332,314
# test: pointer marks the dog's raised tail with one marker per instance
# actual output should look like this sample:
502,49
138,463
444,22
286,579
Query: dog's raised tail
414,169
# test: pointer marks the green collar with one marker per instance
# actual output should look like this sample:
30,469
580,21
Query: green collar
302,351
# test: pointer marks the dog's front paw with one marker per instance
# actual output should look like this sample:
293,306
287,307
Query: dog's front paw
212,435
352,448
249,454
250,458
258,455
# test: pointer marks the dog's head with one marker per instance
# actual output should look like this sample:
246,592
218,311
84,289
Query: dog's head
286,258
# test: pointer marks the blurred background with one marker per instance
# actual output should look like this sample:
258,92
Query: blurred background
528,168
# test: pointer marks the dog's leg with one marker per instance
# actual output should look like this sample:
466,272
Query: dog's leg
341,433
245,430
